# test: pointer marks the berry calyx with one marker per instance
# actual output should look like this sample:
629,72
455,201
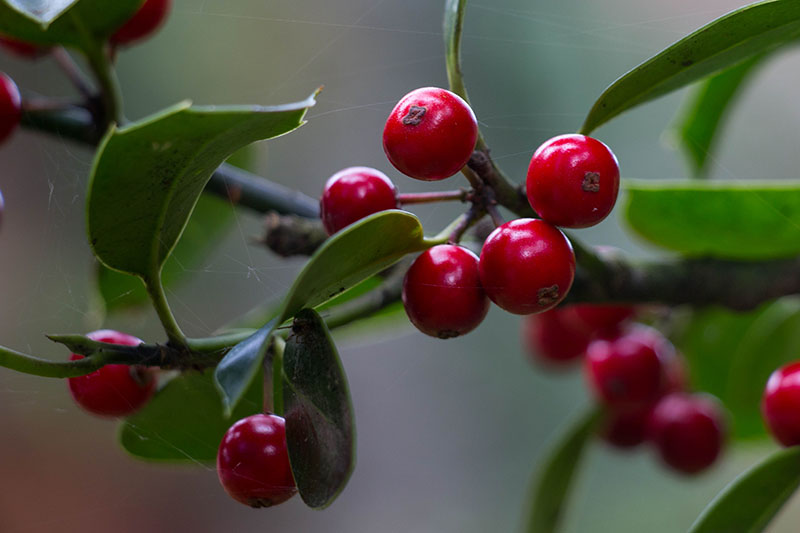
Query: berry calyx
143,23
442,292
22,48
354,193
113,390
430,134
780,404
688,430
631,370
253,461
10,106
573,181
527,266
554,337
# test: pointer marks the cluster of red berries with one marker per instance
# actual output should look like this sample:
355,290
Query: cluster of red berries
526,265
638,376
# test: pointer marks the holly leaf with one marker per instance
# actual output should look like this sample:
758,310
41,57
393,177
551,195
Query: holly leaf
147,177
749,502
184,421
723,219
346,259
320,427
726,41
82,24
552,483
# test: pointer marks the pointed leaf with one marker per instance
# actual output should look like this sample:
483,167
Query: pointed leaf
724,219
553,482
184,421
82,24
320,429
147,177
750,502
726,41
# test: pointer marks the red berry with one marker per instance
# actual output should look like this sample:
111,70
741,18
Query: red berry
430,134
113,390
10,106
442,292
253,462
596,317
555,337
780,404
22,48
354,193
688,430
527,266
626,428
573,181
143,23
631,370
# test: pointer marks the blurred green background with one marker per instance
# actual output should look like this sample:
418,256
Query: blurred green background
448,432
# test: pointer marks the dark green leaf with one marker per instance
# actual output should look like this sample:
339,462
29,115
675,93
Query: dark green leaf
552,484
84,24
320,429
235,373
147,177
700,123
724,219
749,503
726,41
209,221
184,421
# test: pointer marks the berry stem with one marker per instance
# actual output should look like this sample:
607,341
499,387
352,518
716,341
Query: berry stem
73,72
273,377
431,197
110,94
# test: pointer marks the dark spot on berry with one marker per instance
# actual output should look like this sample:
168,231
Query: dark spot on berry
414,116
447,334
547,296
591,182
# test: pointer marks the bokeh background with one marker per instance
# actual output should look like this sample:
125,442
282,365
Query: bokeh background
449,433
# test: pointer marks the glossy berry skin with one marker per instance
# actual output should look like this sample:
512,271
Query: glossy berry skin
554,337
10,106
688,430
780,404
601,317
354,193
573,181
630,371
22,48
143,23
430,134
113,390
253,461
527,266
442,292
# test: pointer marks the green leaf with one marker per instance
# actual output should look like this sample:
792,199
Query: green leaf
320,429
700,123
552,484
82,24
750,502
147,177
209,222
184,421
725,219
726,41
346,259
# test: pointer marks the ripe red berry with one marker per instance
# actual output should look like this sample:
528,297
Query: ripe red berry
143,23
113,390
354,193
555,337
442,292
780,404
626,428
527,266
430,134
573,181
22,48
10,106
688,430
631,370
596,317
253,462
